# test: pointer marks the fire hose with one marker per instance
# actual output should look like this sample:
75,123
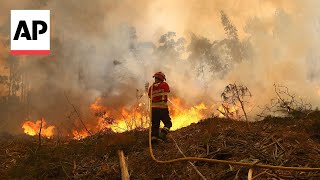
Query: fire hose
251,165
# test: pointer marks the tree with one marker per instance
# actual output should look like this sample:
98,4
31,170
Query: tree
236,94
218,57
232,40
169,46
204,54
230,29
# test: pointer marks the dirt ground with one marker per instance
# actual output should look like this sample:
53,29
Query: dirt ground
274,141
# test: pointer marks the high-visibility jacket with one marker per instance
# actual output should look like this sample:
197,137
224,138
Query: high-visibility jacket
160,93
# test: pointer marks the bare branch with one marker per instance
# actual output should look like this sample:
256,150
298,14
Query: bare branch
78,114
285,103
236,94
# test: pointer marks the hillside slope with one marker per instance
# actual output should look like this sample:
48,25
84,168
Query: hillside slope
274,141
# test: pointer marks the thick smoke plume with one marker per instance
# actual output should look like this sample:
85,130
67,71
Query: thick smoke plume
110,49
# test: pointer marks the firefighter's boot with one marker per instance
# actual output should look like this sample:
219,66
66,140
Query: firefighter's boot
156,140
164,132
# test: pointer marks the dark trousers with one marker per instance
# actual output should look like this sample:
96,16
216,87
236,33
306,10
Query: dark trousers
160,114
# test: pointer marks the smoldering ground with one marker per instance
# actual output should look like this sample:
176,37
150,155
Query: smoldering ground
111,48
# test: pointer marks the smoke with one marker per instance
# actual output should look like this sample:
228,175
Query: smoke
112,48
282,48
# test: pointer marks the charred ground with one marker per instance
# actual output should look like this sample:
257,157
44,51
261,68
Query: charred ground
293,141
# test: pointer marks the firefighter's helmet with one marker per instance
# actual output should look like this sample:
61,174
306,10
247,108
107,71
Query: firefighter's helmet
160,76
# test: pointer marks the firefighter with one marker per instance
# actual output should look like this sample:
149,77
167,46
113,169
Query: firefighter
160,111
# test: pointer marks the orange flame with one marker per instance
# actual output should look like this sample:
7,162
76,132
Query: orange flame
32,129
228,110
137,117
80,134
185,117
94,107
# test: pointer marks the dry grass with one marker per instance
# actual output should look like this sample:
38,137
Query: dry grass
276,141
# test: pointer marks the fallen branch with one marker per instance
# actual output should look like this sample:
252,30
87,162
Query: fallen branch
274,142
250,174
65,172
193,166
123,166
260,174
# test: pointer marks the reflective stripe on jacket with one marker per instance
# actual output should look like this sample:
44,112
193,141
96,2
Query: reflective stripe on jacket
160,93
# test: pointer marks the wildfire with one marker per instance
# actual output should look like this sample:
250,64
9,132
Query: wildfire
32,129
186,116
110,119
137,117
94,107
228,111
80,134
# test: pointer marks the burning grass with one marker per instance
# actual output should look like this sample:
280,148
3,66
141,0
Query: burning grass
109,119
33,128
275,141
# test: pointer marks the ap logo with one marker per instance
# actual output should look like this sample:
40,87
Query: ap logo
30,32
